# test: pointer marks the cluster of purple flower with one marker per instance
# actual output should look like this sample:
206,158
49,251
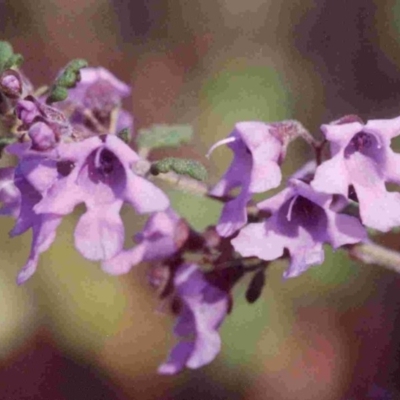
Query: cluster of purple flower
70,153
308,212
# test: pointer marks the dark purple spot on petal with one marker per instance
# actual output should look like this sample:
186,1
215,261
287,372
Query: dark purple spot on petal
364,143
65,167
107,160
302,212
352,195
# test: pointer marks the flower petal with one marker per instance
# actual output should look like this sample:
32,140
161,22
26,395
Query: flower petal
99,234
177,358
124,260
259,241
44,233
233,216
332,177
144,196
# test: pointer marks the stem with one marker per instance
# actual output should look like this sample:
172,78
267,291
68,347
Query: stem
318,149
114,120
301,131
372,253
185,183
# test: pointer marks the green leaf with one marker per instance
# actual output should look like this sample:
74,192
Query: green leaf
66,80
181,166
125,135
6,51
7,57
58,93
15,60
164,136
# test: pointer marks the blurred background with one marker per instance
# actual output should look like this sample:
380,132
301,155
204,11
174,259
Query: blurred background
72,332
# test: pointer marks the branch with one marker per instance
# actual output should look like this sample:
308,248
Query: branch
372,253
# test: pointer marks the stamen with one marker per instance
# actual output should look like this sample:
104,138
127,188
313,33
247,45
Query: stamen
97,161
289,213
220,143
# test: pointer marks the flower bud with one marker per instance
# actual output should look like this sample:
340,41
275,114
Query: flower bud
26,111
42,136
11,84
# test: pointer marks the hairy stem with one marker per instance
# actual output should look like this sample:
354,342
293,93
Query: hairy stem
372,253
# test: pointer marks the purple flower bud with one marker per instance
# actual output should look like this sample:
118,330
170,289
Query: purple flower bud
27,111
31,111
11,83
42,136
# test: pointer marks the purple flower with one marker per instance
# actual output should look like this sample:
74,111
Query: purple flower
98,172
301,222
98,89
255,169
362,158
100,92
43,226
203,309
20,190
163,234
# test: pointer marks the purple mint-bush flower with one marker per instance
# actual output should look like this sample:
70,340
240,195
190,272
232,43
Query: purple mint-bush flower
23,189
254,169
301,222
163,234
361,157
98,172
98,89
101,92
43,226
203,309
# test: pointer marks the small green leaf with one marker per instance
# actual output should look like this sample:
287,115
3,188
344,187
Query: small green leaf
181,166
7,57
77,64
58,93
164,136
15,60
125,135
66,80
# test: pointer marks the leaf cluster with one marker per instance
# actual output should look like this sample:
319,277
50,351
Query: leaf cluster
8,59
68,79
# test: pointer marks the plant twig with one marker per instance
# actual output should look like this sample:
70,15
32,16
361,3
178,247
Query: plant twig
372,253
